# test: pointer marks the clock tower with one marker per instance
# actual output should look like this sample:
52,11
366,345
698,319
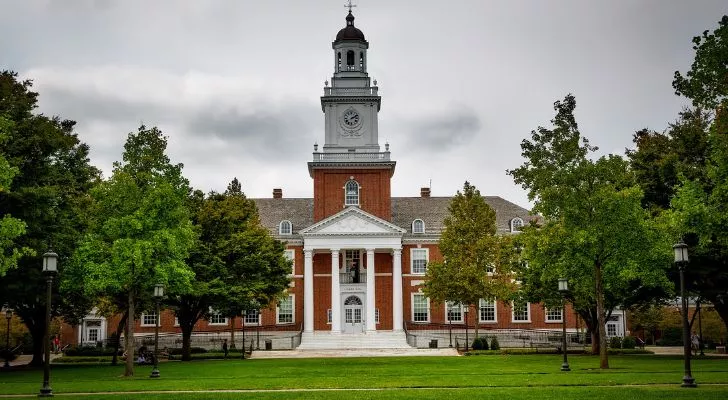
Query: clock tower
351,156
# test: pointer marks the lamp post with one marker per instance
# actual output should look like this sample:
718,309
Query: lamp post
681,259
563,288
465,314
8,316
50,267
158,294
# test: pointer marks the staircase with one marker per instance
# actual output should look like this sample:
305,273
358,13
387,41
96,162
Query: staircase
371,340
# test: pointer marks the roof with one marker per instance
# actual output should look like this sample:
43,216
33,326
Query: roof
431,210
349,32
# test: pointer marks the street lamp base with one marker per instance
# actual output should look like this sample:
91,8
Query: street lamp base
155,373
45,391
565,367
689,381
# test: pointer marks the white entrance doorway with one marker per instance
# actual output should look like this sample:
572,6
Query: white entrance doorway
353,322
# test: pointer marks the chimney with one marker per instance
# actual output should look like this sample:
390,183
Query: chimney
425,192
277,193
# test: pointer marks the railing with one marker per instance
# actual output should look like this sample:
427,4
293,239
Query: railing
454,335
347,277
351,156
359,91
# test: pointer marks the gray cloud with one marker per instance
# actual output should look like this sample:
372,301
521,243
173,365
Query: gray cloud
445,132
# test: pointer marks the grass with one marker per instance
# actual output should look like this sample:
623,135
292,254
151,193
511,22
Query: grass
522,376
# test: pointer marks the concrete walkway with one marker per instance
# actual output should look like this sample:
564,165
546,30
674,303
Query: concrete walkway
260,354
676,351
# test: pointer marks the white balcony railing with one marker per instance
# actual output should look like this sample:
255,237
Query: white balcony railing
363,91
348,277
351,156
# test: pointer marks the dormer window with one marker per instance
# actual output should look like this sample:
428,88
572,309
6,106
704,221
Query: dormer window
351,193
418,226
516,225
285,228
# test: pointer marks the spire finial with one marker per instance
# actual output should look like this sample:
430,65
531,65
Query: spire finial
349,6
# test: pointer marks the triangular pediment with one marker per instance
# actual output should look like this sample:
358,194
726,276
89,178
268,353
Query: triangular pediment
353,221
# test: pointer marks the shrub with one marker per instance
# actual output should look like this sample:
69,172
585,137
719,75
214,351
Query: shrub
629,342
477,344
193,350
484,339
671,336
615,342
494,345
88,351
6,354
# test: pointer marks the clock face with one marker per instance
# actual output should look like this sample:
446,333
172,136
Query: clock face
351,122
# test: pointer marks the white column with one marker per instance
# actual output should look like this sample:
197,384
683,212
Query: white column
397,290
335,293
307,290
371,296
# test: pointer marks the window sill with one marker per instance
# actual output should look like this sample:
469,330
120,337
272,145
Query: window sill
521,322
554,322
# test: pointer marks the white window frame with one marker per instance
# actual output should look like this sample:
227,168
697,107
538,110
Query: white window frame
548,312
290,254
244,320
481,305
413,308
217,315
453,305
292,298
287,224
521,321
412,260
176,321
415,224
145,315
358,193
515,229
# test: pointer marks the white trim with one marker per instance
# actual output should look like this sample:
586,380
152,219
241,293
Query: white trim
214,314
290,254
452,304
553,321
280,228
513,314
145,314
495,312
243,321
412,260
412,308
513,222
358,193
293,311
414,231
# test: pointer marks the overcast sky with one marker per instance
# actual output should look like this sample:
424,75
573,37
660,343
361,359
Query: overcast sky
236,84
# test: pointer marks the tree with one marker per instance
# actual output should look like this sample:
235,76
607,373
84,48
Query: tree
141,233
10,228
596,232
476,262
49,193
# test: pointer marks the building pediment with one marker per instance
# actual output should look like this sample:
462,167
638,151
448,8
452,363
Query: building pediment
353,221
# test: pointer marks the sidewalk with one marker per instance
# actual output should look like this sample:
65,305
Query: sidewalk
676,351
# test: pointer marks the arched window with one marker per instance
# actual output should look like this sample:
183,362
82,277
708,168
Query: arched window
418,226
339,60
352,301
361,61
350,59
285,228
516,224
351,193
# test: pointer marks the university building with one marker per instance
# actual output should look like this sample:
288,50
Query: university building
360,255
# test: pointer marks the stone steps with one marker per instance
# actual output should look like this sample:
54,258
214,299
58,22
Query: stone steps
371,340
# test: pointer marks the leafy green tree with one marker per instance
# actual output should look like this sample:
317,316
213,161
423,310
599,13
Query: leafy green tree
476,263
49,193
141,234
596,232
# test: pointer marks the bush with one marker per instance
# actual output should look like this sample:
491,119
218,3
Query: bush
670,337
615,342
494,345
6,354
193,350
88,351
629,342
477,344
484,339
82,360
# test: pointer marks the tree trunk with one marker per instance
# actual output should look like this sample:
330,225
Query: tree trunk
129,337
603,358
591,327
232,333
186,339
117,342
38,335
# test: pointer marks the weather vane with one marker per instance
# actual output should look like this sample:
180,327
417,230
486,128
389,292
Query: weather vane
350,6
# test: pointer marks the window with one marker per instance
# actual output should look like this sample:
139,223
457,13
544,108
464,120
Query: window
521,312
350,58
93,335
351,193
420,308
376,315
553,315
149,319
419,261
286,228
252,317
516,224
361,60
339,60
418,226
291,255
486,310
490,269
453,312
176,321
285,310
217,319
611,330
328,316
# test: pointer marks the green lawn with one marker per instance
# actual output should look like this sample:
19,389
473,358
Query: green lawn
523,376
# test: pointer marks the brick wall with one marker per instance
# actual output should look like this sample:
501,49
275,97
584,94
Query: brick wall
374,193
